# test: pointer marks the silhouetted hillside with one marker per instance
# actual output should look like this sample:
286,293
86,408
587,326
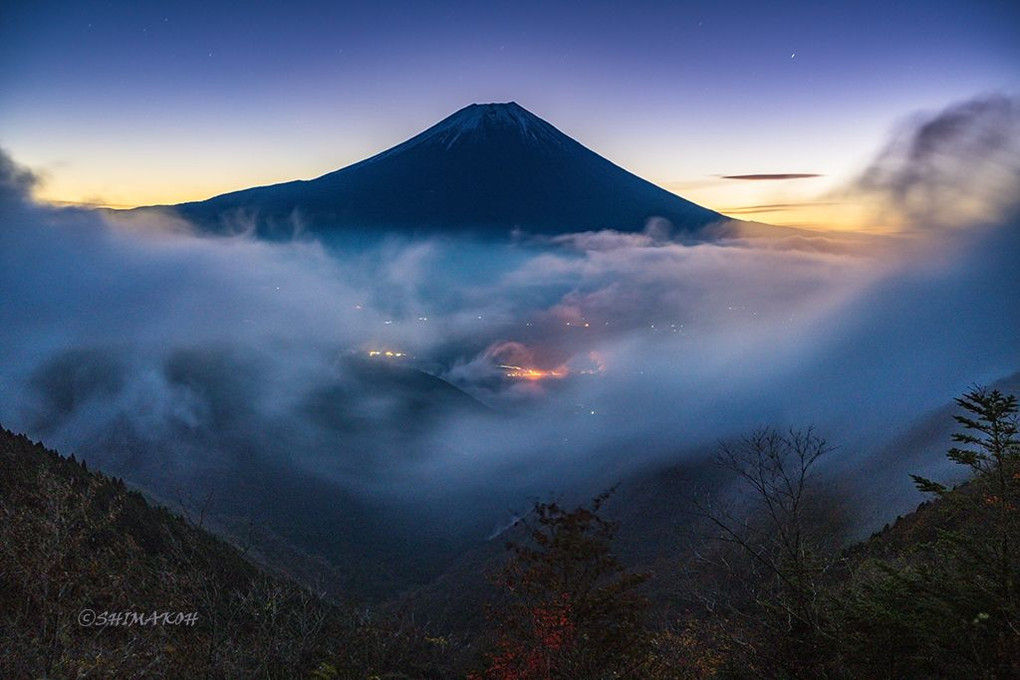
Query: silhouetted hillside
95,582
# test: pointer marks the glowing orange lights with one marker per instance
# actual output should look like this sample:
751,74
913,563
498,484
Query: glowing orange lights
386,353
523,373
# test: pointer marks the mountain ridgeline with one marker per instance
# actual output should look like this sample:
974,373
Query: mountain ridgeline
487,170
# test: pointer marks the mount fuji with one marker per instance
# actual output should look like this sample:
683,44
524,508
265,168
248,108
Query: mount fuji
487,170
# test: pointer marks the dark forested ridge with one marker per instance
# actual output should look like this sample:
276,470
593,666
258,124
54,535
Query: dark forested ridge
763,590
96,582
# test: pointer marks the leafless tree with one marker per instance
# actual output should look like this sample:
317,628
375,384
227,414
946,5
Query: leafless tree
772,546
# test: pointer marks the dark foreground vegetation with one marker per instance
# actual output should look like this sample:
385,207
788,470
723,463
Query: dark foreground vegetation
767,591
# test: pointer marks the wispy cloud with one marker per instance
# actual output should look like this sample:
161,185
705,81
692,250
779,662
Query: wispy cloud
773,176
775,207
96,202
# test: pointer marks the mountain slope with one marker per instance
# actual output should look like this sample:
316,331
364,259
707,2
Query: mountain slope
487,169
78,549
301,468
88,568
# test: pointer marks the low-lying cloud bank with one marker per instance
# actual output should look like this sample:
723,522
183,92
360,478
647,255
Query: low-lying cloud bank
180,360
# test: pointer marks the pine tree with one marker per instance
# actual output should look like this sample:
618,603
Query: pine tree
990,447
954,602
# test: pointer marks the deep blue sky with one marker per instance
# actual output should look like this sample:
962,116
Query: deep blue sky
140,102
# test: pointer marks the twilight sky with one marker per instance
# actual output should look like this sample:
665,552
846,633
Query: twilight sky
128,103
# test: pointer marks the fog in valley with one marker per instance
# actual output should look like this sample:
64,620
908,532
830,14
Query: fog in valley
457,378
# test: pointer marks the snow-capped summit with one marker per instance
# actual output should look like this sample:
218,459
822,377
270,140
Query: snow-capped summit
508,118
506,124
488,169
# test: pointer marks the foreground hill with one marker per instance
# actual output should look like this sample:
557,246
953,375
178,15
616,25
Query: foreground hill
486,170
95,582
762,590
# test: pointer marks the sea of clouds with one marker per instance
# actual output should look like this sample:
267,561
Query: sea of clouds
178,359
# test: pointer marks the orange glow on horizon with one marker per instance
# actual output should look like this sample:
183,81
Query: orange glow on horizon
814,204
793,205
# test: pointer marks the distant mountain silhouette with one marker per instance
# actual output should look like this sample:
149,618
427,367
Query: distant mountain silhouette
488,169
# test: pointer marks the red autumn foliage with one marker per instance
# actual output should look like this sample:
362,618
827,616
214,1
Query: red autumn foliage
570,609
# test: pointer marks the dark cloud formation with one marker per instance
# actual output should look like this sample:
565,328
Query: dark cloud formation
773,176
953,167
16,183
449,379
